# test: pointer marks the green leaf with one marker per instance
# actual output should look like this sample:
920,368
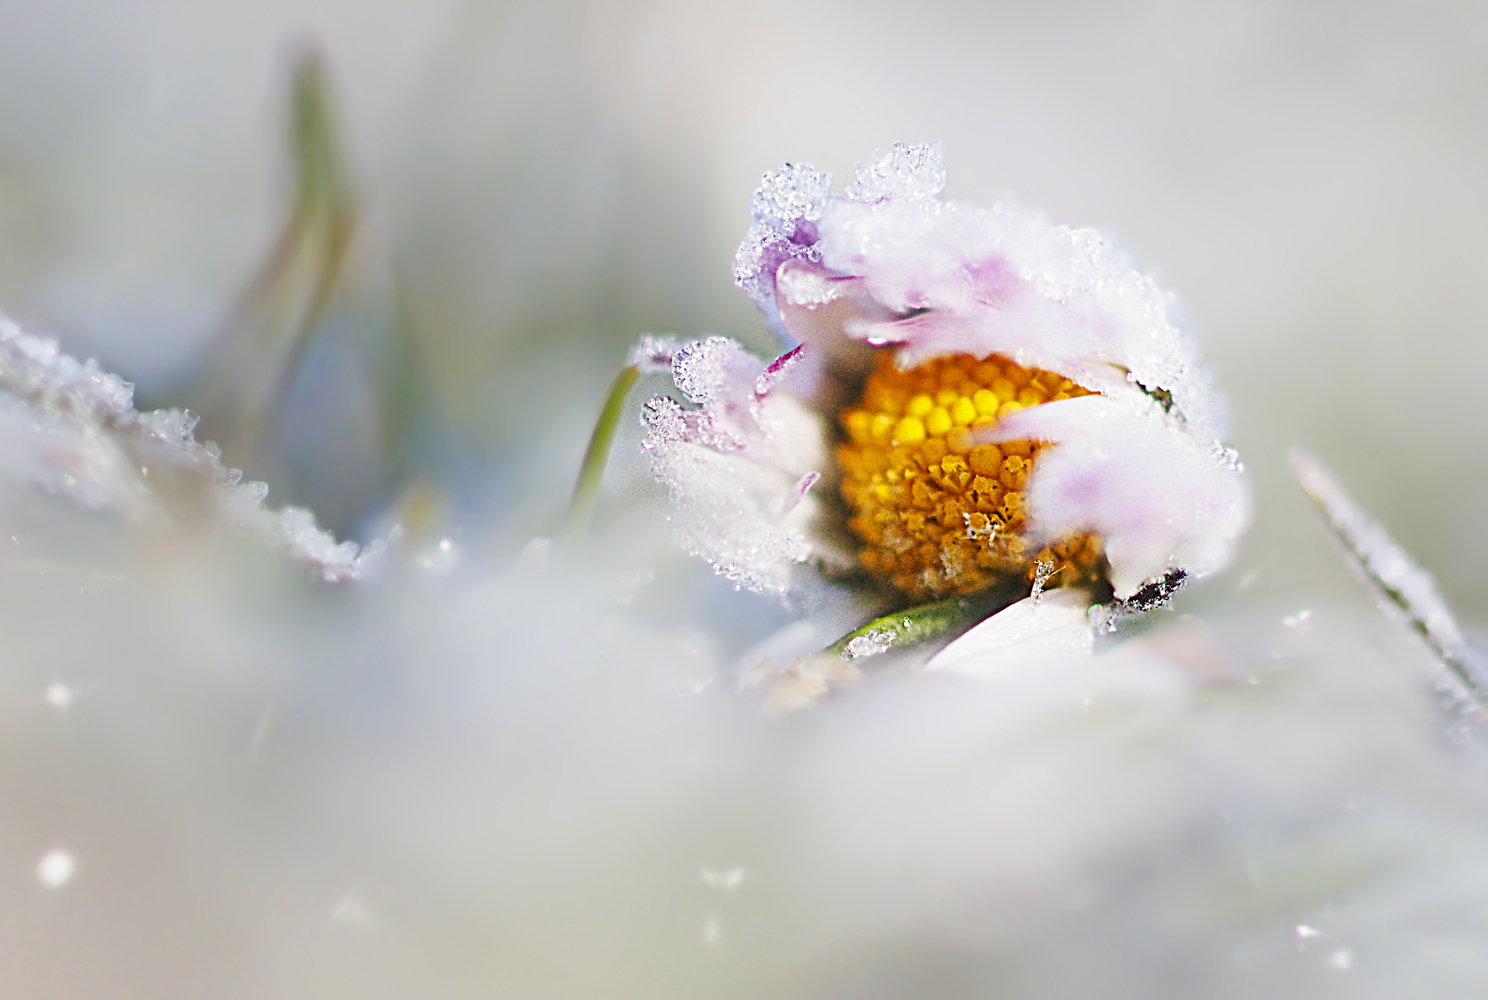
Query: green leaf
596,456
942,620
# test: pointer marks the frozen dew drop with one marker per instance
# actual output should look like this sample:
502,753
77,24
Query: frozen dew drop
56,869
1305,932
59,696
1297,620
444,555
868,645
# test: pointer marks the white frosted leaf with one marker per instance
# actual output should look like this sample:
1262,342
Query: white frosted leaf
73,429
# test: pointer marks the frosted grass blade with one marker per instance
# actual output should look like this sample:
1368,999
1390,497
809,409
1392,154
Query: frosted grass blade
1398,581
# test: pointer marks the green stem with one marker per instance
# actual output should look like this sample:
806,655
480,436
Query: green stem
912,626
591,473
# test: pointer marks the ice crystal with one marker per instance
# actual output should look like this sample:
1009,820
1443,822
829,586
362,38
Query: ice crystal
705,370
913,173
796,192
740,469
653,355
786,208
868,645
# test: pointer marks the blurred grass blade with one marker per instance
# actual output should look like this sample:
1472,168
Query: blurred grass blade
1397,580
596,456
925,623
256,355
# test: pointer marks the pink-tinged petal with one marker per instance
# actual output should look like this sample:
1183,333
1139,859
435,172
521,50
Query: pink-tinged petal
776,371
741,467
803,486
814,307
993,281
1159,498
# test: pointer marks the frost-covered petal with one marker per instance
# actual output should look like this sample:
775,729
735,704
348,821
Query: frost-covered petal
714,370
786,210
1159,498
1004,281
742,468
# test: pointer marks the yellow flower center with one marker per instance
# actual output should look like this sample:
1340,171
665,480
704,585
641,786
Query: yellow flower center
939,513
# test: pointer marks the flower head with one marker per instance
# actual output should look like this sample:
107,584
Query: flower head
974,394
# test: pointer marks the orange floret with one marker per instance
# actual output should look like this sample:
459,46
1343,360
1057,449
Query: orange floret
939,512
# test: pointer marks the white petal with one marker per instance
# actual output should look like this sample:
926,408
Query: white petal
1052,626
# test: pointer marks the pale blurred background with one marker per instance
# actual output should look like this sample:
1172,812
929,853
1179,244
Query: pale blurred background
549,180
483,785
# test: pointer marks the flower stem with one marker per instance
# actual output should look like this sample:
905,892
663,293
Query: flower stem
591,472
913,626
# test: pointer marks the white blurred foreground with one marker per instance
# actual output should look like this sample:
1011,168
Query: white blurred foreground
223,778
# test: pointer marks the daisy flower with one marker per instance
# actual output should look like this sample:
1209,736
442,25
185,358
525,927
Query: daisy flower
971,398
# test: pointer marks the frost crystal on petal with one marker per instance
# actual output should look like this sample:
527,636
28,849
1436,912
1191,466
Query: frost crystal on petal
912,173
739,469
796,192
786,209
706,369
1156,495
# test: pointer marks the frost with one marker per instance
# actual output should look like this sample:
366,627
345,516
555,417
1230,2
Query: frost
796,192
868,645
1401,584
913,173
72,428
806,287
706,370
1155,495
739,469
786,209
653,355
